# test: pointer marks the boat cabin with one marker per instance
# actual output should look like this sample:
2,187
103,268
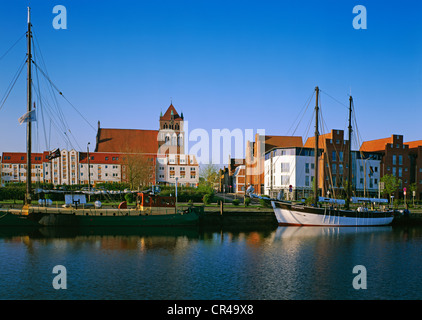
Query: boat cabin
146,200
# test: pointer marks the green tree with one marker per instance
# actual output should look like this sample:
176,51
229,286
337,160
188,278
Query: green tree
391,184
209,174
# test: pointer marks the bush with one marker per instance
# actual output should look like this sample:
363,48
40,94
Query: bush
265,203
235,202
129,197
247,201
207,198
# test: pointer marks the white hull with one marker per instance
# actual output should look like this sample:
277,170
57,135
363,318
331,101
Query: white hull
286,214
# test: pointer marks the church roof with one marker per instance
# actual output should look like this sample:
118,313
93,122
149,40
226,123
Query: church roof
171,111
127,140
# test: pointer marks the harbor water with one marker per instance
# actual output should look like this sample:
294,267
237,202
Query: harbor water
277,263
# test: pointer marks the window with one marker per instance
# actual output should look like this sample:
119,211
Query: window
394,171
394,160
285,167
284,180
334,156
307,168
340,156
307,181
340,169
400,159
400,172
334,171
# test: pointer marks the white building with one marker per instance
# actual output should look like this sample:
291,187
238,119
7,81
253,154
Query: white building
181,166
366,172
285,167
13,167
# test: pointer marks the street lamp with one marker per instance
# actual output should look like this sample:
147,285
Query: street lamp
89,174
177,178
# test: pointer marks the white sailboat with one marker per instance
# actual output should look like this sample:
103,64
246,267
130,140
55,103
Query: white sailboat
288,213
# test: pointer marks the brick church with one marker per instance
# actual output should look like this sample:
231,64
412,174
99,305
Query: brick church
164,148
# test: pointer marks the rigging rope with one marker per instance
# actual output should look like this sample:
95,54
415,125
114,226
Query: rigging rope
12,84
58,90
8,50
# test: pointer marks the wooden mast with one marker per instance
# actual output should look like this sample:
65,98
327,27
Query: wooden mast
316,197
28,123
349,173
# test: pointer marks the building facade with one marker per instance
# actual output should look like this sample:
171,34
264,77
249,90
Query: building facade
290,172
13,167
400,159
255,157
157,156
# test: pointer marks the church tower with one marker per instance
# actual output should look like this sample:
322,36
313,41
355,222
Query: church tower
171,134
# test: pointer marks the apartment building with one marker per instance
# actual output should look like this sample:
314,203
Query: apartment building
14,167
400,159
182,168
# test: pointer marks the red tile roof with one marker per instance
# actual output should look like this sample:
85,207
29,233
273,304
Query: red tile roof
375,145
414,144
20,157
310,142
127,141
282,142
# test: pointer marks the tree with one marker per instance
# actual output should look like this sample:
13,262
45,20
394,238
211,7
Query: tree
209,174
391,184
138,169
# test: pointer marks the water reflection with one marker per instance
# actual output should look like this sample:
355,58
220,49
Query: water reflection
212,263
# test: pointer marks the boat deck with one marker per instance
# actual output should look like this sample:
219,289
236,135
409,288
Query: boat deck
89,211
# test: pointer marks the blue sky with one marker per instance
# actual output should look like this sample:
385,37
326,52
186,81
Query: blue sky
224,64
